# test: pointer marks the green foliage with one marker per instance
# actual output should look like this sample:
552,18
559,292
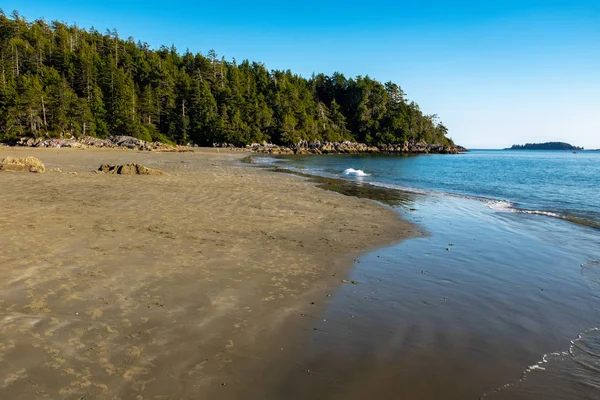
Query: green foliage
59,80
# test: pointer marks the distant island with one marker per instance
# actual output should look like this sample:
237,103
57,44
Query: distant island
545,146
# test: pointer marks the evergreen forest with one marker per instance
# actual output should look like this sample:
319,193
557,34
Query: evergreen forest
59,80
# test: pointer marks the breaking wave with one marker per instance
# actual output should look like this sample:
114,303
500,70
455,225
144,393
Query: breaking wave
500,205
354,172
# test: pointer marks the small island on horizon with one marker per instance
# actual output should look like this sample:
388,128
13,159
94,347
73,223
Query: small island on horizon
545,146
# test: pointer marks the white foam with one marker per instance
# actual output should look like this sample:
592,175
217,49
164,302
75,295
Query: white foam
500,205
537,212
262,160
535,366
354,172
507,206
405,188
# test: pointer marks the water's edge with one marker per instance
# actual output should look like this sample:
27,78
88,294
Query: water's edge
397,197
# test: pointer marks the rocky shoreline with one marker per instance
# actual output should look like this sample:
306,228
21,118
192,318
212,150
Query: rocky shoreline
305,147
113,142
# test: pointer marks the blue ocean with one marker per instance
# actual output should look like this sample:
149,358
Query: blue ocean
498,298
555,183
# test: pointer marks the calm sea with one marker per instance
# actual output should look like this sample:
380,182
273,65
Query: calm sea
499,299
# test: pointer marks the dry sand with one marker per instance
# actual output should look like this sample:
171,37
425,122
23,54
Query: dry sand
198,284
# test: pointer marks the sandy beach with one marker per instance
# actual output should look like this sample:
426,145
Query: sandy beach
196,284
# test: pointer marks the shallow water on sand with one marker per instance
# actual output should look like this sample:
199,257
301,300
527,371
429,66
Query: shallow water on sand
551,183
488,304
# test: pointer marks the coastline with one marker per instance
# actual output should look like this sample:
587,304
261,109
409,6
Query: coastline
198,282
413,327
347,147
303,147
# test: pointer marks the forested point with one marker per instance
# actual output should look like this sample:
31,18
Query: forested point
59,80
545,146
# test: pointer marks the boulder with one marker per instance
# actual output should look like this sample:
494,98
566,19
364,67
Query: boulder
22,164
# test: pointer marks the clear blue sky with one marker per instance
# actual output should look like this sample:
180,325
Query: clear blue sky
496,72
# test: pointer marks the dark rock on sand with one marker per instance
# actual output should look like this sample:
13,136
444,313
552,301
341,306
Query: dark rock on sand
129,169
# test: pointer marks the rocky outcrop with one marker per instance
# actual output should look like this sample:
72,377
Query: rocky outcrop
269,148
317,147
131,143
129,169
126,142
421,148
22,164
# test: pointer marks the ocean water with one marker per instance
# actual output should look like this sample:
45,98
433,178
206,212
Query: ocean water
498,299
556,183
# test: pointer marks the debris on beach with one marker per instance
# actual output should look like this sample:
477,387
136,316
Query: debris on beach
22,164
129,169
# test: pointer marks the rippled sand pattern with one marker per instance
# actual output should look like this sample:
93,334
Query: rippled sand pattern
184,286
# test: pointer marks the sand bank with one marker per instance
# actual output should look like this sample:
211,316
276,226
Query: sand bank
199,283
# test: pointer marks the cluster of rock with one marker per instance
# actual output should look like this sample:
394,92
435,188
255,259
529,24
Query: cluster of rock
22,164
269,148
33,164
129,169
421,148
127,142
317,147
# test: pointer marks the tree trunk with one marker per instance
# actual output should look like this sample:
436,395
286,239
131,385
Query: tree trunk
44,112
31,123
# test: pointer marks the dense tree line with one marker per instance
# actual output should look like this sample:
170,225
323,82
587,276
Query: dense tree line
60,80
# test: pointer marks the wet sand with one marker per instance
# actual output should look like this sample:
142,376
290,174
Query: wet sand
192,285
